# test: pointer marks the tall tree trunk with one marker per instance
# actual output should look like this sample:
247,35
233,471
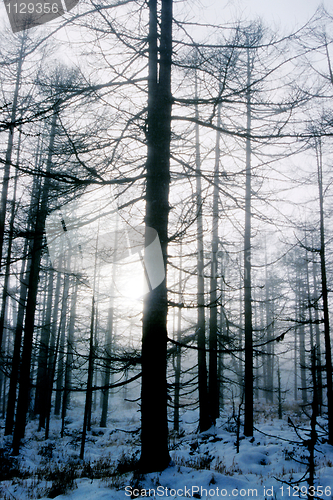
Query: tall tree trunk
324,291
248,385
61,354
41,384
223,340
107,367
308,297
154,424
256,357
24,278
269,361
109,334
54,350
240,358
4,302
44,417
69,356
9,249
8,159
213,388
24,384
318,341
204,417
263,352
313,435
87,407
279,392
301,317
177,355
295,363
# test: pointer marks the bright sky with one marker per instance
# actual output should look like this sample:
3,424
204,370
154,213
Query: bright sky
283,14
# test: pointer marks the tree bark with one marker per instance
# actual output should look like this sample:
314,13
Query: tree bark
61,356
44,417
24,384
9,251
87,407
213,388
69,357
318,341
154,422
248,385
301,318
324,291
8,159
41,384
177,355
109,337
269,352
204,417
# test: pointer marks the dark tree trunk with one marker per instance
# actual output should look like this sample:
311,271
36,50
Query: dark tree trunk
87,407
109,338
313,435
318,341
302,357
223,340
154,424
41,384
44,417
69,357
269,358
177,355
8,159
248,385
37,246
204,417
324,291
107,367
296,364
279,393
53,355
24,277
213,388
61,354
9,250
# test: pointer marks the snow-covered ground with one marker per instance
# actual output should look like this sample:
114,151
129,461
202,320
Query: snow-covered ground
270,465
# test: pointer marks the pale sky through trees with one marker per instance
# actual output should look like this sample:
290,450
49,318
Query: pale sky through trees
180,172
284,14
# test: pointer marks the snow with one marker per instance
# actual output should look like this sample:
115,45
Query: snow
203,465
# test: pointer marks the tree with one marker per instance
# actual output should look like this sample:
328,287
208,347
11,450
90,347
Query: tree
154,424
6,175
36,253
324,291
204,415
213,328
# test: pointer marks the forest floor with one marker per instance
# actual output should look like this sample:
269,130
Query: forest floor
271,465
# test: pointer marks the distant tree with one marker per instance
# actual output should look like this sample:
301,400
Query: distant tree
36,253
324,289
204,415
